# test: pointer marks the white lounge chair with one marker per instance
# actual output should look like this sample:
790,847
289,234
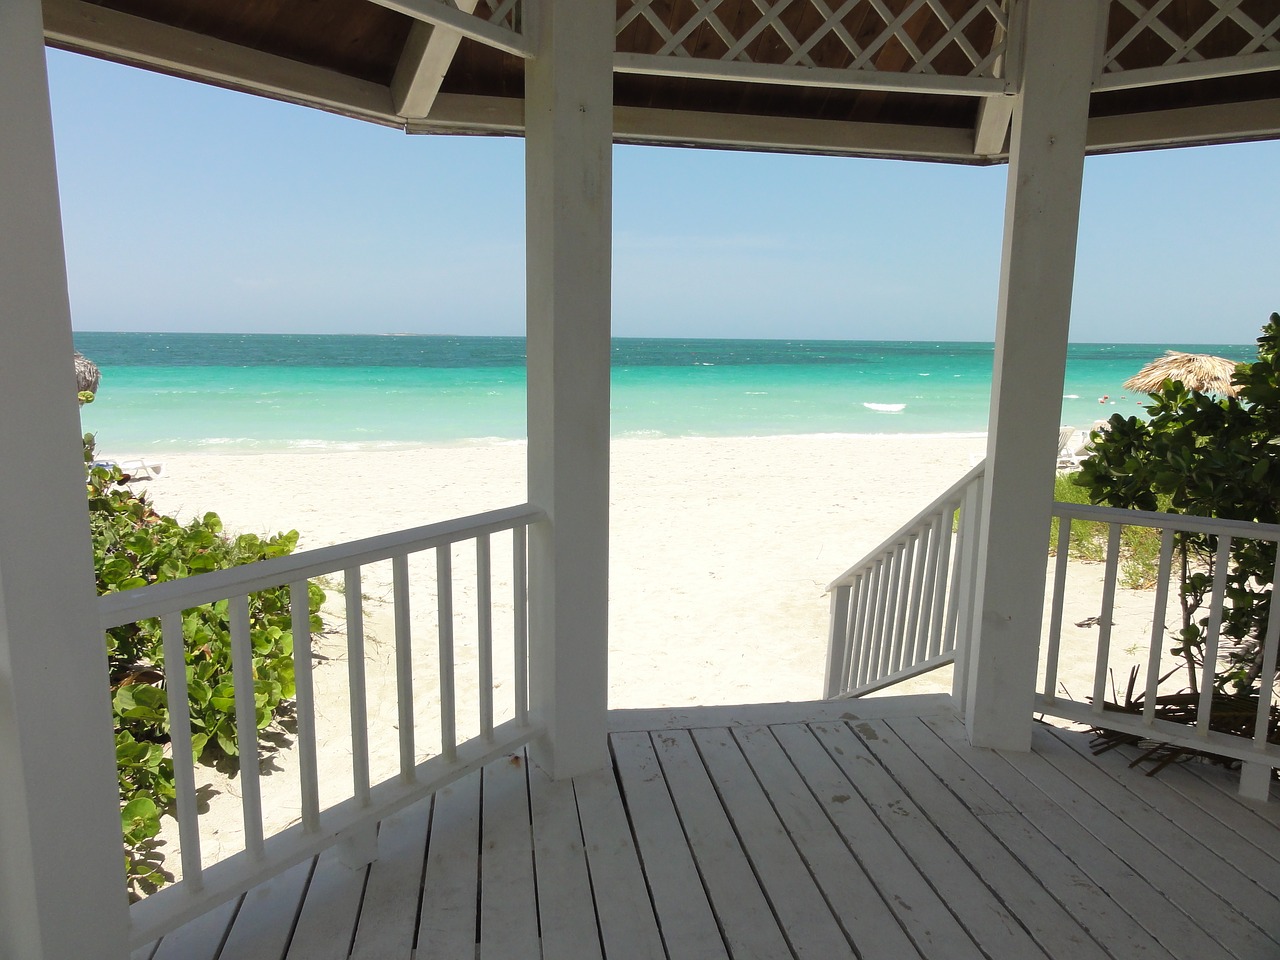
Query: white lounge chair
138,469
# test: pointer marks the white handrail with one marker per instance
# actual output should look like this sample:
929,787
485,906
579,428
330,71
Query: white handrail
902,610
130,606
201,886
1254,751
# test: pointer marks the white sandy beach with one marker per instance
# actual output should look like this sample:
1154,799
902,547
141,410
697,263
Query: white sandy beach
721,550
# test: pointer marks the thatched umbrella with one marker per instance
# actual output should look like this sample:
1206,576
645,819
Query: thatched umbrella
1195,371
87,374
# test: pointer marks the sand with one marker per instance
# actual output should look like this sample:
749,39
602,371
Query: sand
721,551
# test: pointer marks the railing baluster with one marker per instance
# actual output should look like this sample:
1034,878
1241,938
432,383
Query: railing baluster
928,600
184,773
305,694
1059,598
938,634
953,587
866,619
881,617
1270,643
1221,563
1158,613
484,619
1104,618
924,555
519,576
246,725
404,663
907,558
966,589
837,641
356,683
848,663
444,607
1255,776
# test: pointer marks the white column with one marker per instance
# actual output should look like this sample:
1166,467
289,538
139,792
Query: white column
62,889
568,164
1042,206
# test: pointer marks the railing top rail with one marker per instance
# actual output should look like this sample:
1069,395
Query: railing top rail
130,606
1163,521
952,493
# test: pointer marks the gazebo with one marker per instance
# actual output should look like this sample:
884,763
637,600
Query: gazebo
1034,84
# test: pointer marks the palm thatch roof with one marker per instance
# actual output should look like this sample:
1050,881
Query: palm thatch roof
87,374
1201,372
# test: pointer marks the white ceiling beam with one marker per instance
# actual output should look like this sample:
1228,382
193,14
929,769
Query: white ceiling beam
89,28
423,64
458,113
992,129
442,14
1197,70
1222,123
798,76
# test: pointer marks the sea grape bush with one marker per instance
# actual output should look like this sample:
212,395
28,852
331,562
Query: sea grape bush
134,545
1211,457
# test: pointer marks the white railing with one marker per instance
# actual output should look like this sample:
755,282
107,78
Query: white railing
352,819
900,611
1148,632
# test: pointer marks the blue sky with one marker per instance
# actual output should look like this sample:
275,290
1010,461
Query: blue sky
187,207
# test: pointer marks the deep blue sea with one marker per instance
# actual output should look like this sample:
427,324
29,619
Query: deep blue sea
244,392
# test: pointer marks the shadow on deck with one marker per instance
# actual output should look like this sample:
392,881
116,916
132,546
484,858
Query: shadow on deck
857,829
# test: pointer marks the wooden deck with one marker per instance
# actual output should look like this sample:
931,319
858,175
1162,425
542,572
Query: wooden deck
864,829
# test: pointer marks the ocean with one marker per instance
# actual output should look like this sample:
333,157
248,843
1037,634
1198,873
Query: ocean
171,392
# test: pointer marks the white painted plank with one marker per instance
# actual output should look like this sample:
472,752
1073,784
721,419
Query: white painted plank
1095,911
924,917
1226,782
565,909
1191,874
202,938
262,927
802,914
327,923
1255,855
447,927
508,902
986,919
755,714
689,928
1052,927
853,898
1179,934
739,903
628,927
389,913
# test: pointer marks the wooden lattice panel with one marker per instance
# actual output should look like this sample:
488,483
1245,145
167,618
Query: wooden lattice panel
503,13
954,38
1142,34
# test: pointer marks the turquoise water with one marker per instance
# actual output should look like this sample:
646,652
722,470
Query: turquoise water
232,392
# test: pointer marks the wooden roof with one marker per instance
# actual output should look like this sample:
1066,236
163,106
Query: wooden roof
913,78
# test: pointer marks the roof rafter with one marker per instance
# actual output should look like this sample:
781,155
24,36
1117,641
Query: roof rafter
443,14
423,64
90,28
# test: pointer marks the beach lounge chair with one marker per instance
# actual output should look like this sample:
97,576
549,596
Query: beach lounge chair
1064,441
1071,450
139,469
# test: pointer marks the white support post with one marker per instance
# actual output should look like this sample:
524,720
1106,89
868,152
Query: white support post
62,890
568,156
1042,210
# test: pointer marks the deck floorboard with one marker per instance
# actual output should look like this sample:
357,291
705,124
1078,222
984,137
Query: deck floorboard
865,831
